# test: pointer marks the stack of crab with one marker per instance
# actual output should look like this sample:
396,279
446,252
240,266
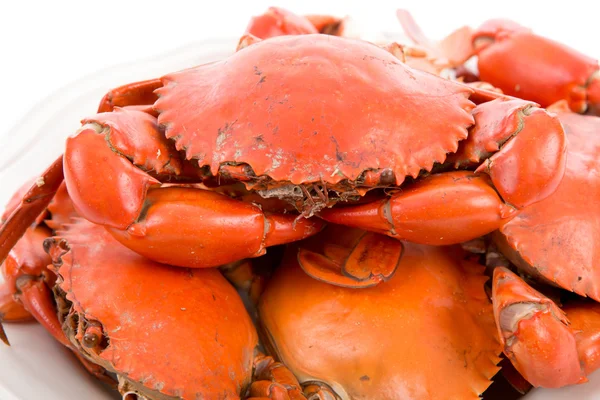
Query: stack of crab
423,231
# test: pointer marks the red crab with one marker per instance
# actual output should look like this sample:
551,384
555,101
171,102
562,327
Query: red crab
123,323
339,345
66,301
521,63
310,132
101,320
555,239
426,333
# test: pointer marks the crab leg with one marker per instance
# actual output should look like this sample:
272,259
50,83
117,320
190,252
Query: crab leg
33,203
10,309
530,326
175,225
136,94
524,152
273,380
242,276
37,298
27,278
455,48
585,322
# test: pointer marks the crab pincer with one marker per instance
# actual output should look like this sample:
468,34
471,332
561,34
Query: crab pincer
518,152
176,225
531,325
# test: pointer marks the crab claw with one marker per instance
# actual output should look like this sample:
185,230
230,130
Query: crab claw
136,94
278,22
33,203
441,209
524,149
349,257
175,225
524,152
530,325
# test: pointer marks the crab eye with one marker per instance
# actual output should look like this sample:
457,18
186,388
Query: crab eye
90,340
92,336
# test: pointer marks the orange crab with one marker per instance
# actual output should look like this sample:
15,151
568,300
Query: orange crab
212,351
123,323
520,63
100,320
323,123
314,134
426,333
555,239
339,346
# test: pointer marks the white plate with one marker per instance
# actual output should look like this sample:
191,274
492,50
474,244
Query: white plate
35,366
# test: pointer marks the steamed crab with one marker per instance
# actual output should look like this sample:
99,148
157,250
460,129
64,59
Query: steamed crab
324,120
429,323
432,323
520,62
212,341
554,241
339,129
213,346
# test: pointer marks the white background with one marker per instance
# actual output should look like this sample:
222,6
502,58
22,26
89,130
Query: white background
47,44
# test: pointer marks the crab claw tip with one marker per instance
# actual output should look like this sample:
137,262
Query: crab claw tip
3,336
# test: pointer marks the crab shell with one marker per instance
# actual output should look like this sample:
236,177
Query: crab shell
167,332
557,238
426,333
314,109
